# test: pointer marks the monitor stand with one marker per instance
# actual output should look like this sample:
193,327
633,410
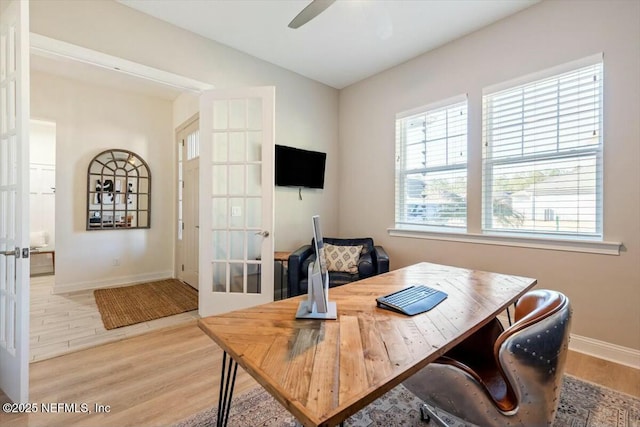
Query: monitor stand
305,313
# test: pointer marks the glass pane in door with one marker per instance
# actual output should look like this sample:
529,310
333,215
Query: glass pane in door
237,277
219,279
237,147
237,114
254,278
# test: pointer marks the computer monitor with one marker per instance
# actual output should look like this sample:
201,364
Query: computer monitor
317,305
319,247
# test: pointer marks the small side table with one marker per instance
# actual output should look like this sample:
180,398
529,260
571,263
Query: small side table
46,251
282,258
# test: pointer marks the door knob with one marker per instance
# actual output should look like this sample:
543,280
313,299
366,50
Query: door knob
262,233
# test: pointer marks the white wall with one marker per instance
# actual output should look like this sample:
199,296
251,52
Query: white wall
90,119
42,165
604,290
306,111
42,198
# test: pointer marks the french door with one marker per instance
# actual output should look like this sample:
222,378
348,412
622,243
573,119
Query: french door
236,198
14,199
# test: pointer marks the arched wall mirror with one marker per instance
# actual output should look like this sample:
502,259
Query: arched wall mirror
118,191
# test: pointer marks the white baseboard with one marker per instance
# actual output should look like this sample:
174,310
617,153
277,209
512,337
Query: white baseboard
111,282
600,349
604,350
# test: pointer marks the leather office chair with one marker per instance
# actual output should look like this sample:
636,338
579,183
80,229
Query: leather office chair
373,260
502,377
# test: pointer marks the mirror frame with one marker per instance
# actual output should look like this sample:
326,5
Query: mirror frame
118,191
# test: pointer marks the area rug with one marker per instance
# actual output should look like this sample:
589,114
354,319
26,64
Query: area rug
582,404
129,305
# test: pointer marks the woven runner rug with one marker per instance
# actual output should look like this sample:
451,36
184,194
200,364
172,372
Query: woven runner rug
129,305
582,404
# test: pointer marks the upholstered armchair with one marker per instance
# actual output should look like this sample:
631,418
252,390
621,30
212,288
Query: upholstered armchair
371,260
500,377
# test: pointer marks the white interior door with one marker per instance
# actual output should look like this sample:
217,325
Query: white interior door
236,198
14,199
188,238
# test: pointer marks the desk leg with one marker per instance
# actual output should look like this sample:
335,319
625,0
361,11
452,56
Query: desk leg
227,382
515,304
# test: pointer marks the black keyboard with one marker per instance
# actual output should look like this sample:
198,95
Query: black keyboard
412,300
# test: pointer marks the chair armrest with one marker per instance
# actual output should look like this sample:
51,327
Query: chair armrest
295,274
381,259
366,266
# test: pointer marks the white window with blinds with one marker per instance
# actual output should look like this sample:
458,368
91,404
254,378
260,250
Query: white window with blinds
542,154
431,167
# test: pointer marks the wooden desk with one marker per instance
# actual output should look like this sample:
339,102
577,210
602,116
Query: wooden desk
325,371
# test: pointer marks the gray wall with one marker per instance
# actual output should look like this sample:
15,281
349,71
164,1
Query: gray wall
605,290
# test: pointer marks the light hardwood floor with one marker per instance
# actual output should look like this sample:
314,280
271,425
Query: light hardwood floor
165,376
160,377
154,379
69,322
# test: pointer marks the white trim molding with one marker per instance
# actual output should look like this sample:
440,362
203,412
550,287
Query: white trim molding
112,282
604,350
568,245
52,48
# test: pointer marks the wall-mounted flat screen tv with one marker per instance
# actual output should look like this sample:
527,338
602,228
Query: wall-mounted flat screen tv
299,168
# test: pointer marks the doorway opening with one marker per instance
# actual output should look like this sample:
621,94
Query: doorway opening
74,322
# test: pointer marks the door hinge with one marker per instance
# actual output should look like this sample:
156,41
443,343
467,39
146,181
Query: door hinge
182,267
183,225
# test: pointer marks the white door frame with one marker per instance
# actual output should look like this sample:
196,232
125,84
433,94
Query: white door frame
14,199
187,259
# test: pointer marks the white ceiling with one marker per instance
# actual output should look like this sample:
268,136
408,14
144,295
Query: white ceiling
351,40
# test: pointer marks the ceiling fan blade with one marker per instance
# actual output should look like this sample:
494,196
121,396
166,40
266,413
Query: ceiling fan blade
313,9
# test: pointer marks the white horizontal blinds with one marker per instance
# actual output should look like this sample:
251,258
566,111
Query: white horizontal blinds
431,167
542,158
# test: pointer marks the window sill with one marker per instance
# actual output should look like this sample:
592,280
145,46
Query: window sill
568,245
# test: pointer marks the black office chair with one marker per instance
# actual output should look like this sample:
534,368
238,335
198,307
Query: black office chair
502,377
